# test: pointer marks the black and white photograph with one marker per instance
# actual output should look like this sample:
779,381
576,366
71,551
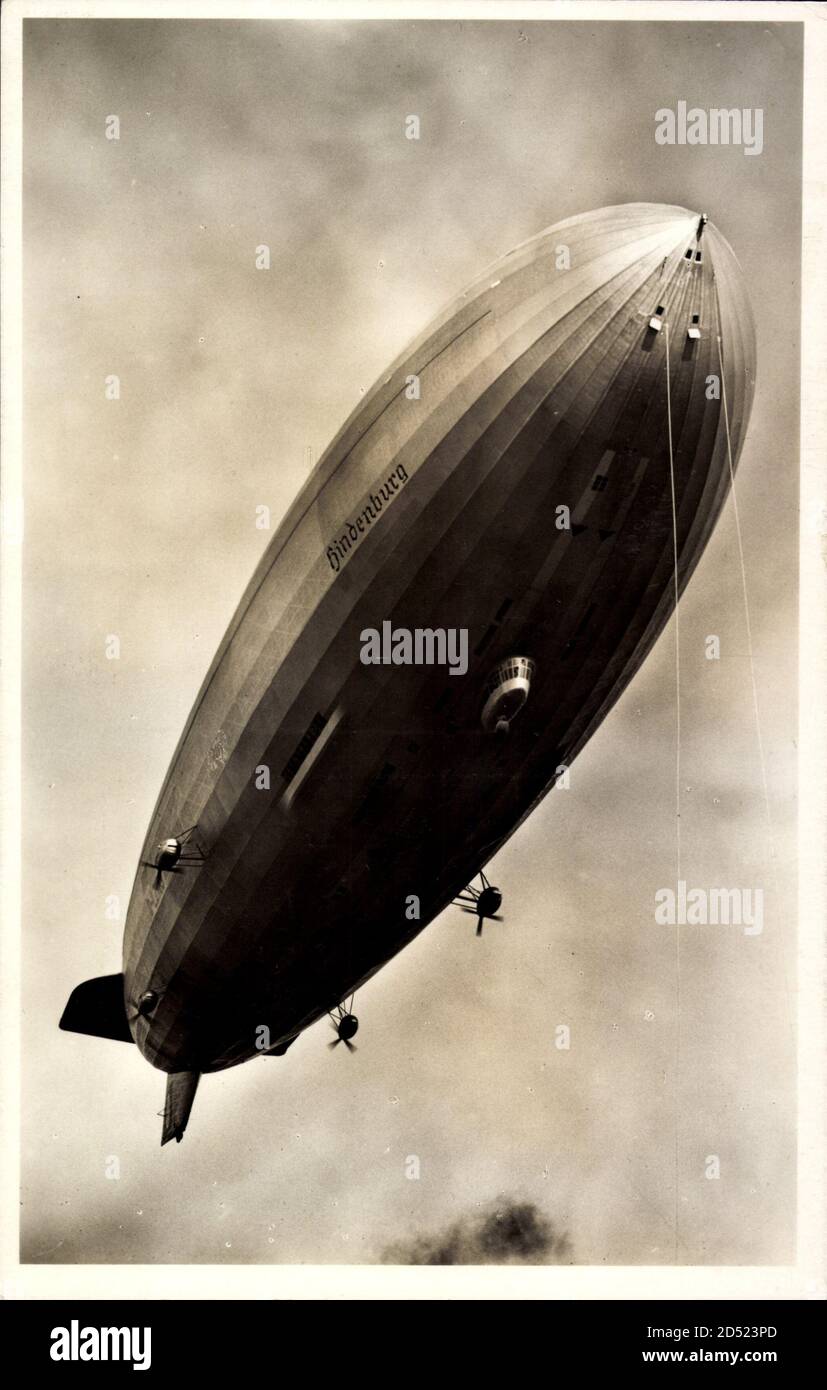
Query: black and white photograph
408,502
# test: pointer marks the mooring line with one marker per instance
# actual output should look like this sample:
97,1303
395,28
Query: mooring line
677,785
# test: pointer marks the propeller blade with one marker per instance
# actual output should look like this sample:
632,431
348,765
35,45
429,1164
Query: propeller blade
351,1047
335,1043
479,928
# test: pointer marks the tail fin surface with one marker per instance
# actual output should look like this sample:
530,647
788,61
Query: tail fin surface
181,1088
97,1007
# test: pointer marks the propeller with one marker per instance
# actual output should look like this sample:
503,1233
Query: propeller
483,920
351,1047
178,869
174,855
483,917
482,902
345,1026
159,876
146,1003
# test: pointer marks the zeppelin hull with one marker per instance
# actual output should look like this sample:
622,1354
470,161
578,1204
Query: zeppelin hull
522,472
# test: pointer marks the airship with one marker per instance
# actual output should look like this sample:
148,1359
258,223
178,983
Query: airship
470,577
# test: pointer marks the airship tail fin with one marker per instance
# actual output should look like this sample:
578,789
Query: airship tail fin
97,1007
181,1088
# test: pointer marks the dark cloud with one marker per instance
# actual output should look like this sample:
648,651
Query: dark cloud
506,1232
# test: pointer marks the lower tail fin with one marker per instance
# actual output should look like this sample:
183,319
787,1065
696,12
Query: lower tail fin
181,1088
97,1007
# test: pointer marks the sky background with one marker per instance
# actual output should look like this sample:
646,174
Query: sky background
140,522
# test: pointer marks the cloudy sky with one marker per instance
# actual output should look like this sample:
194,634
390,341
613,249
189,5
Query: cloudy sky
139,261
